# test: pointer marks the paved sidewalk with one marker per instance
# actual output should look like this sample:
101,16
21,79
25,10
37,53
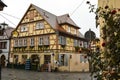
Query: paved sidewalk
14,74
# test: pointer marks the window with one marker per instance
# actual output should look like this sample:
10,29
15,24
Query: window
63,59
3,45
40,41
62,40
32,41
46,40
20,42
24,28
83,59
40,25
24,42
75,43
85,45
15,43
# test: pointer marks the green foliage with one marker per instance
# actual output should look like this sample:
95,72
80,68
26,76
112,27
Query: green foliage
111,36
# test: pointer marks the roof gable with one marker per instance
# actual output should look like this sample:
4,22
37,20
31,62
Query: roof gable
49,17
53,20
65,19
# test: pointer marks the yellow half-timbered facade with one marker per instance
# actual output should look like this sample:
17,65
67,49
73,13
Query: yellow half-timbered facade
50,42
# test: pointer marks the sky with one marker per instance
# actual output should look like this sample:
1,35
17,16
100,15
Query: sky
77,9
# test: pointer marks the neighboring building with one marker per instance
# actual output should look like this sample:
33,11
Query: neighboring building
94,43
5,34
2,57
45,38
110,3
113,4
2,5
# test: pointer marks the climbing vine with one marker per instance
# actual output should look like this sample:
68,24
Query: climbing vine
106,63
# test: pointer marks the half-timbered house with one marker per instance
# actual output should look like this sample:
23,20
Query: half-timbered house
51,42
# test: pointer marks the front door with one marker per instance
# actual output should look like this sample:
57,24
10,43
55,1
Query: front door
47,60
34,62
2,61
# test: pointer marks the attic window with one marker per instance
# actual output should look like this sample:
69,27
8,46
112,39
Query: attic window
40,25
24,28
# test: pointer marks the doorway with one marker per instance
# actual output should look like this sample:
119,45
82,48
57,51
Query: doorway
2,61
35,62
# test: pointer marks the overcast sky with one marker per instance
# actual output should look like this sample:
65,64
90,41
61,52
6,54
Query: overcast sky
80,16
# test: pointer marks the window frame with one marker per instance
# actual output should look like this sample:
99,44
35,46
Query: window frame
25,42
3,45
32,41
40,41
24,28
39,25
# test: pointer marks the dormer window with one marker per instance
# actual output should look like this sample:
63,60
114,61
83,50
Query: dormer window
24,28
40,25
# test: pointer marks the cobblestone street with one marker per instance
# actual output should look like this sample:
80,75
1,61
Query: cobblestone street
13,74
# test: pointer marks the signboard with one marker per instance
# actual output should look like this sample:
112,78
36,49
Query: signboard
27,64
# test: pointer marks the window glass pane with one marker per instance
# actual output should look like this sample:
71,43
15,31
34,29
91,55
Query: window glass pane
24,28
41,41
40,25
31,41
